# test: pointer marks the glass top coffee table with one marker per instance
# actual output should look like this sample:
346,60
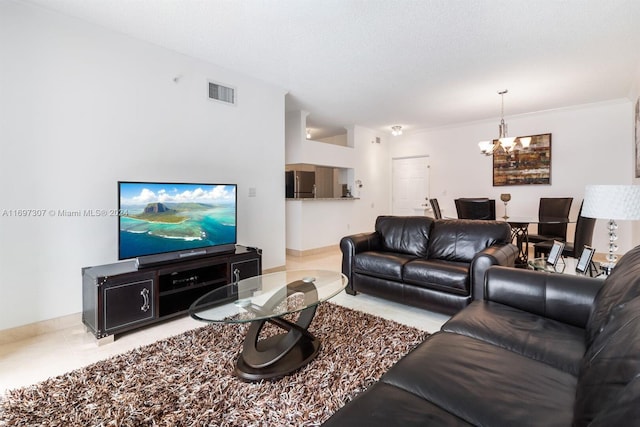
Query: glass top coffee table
268,298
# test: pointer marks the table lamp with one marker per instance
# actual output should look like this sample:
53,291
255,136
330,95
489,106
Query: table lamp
612,202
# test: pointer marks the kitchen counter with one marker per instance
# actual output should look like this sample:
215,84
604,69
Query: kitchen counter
312,224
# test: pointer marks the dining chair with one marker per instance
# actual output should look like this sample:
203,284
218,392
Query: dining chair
476,208
552,207
437,214
583,237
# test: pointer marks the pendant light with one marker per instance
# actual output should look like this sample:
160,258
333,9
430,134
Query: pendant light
504,141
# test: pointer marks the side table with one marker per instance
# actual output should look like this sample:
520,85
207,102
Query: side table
565,265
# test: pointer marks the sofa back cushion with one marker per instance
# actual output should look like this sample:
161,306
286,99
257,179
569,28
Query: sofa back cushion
461,239
621,286
612,359
404,234
609,366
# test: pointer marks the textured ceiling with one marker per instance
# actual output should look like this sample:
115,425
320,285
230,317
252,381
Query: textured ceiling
419,64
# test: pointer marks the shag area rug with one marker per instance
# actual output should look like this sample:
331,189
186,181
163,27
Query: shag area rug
188,380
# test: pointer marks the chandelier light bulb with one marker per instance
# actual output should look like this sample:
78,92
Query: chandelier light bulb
396,130
486,147
507,143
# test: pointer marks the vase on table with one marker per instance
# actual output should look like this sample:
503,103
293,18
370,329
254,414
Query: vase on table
505,197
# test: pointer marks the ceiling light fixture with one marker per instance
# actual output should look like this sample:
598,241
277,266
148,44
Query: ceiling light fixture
504,141
396,130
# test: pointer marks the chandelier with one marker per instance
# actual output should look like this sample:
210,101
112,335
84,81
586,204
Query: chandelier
396,130
503,142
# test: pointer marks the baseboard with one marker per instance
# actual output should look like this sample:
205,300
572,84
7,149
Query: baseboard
314,251
31,330
274,269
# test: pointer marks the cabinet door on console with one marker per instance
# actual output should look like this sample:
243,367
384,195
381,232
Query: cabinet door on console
128,301
244,269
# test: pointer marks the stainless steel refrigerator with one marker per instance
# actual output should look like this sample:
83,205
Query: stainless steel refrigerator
300,185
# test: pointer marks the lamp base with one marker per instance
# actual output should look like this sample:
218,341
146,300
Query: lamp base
607,267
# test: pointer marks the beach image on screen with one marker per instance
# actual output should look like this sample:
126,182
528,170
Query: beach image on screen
159,218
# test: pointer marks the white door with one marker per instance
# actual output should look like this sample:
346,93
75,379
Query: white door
410,190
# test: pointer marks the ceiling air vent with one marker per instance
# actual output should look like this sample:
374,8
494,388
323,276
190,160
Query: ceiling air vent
222,93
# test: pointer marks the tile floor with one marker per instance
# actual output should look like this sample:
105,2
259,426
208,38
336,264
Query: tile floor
35,359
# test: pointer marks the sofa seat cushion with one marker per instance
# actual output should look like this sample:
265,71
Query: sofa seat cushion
549,341
484,384
386,265
448,276
384,405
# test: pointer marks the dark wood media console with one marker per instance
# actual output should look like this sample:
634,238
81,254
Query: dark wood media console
119,297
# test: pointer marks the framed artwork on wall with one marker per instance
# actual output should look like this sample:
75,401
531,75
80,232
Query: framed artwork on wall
637,115
524,166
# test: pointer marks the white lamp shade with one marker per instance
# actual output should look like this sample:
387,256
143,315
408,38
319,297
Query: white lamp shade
617,202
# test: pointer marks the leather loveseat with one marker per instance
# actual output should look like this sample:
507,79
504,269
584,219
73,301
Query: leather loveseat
541,349
438,264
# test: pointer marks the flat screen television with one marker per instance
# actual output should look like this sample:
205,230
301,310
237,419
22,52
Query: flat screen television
163,222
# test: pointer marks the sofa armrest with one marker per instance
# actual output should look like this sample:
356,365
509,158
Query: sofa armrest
352,245
562,297
504,255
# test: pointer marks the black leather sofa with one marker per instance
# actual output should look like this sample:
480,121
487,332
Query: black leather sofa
541,349
438,264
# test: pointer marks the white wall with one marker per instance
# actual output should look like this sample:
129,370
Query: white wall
80,109
591,144
373,168
299,149
336,139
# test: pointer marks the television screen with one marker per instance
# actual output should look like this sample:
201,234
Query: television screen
157,218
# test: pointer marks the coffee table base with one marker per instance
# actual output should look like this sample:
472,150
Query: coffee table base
304,352
279,355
